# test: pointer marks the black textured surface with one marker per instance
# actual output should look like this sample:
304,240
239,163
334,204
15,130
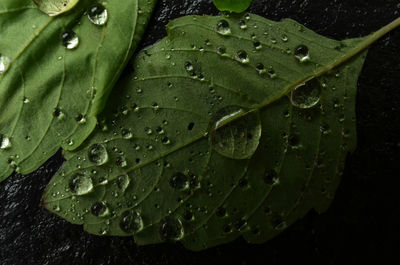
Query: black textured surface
362,225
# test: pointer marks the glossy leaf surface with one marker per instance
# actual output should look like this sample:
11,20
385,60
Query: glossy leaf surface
56,73
237,6
221,131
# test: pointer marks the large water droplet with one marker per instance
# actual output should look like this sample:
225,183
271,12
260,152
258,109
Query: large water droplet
179,181
70,40
235,133
223,27
306,95
302,54
98,15
172,229
4,63
81,184
100,209
5,142
98,154
131,222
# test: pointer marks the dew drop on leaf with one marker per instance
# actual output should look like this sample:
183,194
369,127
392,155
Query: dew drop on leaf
100,209
98,15
171,229
271,177
126,134
242,57
81,184
5,142
4,63
235,133
55,7
306,95
123,182
302,53
223,27
98,154
131,222
70,40
179,181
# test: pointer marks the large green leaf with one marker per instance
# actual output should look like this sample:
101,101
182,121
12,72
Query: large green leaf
237,6
222,130
49,94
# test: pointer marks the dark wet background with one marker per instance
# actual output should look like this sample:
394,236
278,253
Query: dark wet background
361,227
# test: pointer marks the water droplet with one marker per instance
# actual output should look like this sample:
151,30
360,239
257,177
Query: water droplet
81,184
189,67
302,54
70,40
172,229
306,95
166,140
5,142
242,24
223,27
242,57
271,177
98,15
234,132
123,182
148,131
179,181
260,68
127,134
221,50
131,222
26,100
121,161
98,154
257,45
100,209
285,38
4,63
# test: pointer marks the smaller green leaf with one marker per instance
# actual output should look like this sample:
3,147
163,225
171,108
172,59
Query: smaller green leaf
55,7
237,6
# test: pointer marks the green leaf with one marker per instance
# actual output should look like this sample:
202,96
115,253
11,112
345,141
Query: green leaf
237,6
55,7
56,73
221,131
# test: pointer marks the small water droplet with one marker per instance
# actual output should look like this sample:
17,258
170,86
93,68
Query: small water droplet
4,63
81,184
166,140
123,182
242,57
271,177
306,95
189,67
284,38
131,222
257,45
301,52
221,50
70,40
242,24
260,68
127,134
171,229
5,142
100,209
121,161
223,27
98,15
98,154
179,181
